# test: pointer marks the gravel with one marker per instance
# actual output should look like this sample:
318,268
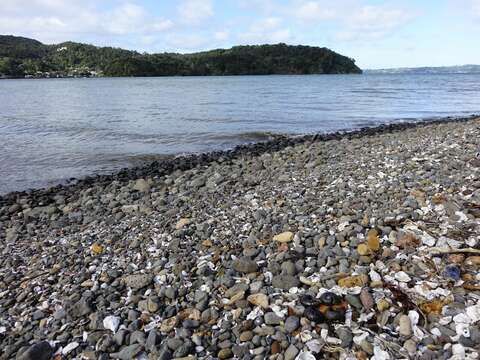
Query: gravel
346,245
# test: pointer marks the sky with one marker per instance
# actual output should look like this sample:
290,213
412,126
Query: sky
377,34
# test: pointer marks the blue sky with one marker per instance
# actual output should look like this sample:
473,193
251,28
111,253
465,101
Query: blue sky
378,34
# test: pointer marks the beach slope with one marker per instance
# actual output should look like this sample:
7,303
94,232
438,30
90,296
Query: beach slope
322,246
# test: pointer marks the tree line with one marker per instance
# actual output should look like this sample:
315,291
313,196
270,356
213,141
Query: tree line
21,57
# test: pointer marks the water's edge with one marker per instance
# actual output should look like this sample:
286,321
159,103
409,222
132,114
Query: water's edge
185,162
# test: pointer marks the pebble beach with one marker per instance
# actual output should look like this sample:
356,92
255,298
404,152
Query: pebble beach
352,245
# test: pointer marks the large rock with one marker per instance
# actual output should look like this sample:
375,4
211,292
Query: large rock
272,319
405,326
81,308
291,352
258,300
128,352
182,223
292,323
285,282
284,237
245,265
141,185
138,281
130,209
39,351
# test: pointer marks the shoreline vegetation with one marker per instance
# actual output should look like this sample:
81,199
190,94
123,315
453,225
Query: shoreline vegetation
27,58
354,243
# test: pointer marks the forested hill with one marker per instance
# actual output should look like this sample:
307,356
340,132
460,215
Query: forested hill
22,57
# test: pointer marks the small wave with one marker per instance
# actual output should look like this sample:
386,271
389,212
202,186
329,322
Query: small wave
106,163
249,136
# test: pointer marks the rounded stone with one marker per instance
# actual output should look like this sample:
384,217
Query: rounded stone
225,354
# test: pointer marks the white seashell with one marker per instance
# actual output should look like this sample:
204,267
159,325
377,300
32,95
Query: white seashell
111,323
281,313
458,351
268,276
379,354
414,317
455,244
205,288
348,318
389,278
305,355
306,336
314,346
471,242
462,216
365,317
362,335
428,240
333,340
343,225
473,312
379,265
462,319
374,276
445,320
45,305
462,329
70,347
402,276
255,313
430,290
152,325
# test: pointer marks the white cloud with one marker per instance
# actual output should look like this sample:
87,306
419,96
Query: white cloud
126,23
352,19
268,30
222,35
266,7
267,24
130,18
195,11
125,19
160,25
373,22
186,42
379,18
476,7
314,11
58,20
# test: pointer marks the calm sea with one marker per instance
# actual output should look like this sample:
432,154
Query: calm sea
54,129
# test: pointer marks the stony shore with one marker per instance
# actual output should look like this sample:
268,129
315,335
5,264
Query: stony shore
341,246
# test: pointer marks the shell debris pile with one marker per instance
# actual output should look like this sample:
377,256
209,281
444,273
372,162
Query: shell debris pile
366,246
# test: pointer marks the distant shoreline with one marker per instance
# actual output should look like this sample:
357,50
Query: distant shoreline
429,70
167,76
365,72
